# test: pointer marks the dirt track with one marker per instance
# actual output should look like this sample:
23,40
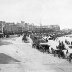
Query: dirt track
31,60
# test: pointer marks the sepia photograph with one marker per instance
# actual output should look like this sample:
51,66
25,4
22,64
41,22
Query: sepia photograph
35,35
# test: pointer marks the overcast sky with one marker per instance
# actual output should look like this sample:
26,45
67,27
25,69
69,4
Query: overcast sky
35,11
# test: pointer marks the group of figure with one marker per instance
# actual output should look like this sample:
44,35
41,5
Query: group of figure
36,44
25,35
59,51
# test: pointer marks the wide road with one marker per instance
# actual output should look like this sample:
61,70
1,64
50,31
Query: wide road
17,56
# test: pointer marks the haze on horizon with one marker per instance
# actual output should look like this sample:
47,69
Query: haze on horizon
35,11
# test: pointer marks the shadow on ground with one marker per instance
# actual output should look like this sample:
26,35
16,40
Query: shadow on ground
5,59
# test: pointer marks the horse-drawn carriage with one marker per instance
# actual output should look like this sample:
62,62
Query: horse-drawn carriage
45,47
40,44
65,49
61,47
69,55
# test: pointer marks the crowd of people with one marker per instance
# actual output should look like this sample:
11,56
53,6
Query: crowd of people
38,38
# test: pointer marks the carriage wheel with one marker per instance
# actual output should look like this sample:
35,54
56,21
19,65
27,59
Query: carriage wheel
48,51
54,53
69,60
64,56
59,55
34,46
